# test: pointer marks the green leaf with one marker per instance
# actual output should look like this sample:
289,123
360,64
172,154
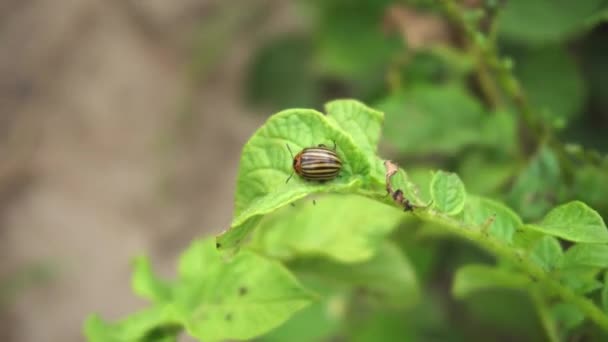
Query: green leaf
559,96
420,183
266,162
281,74
588,255
153,324
146,284
547,252
567,315
415,185
526,239
582,280
239,299
543,21
344,228
574,221
473,278
363,124
447,191
388,276
605,293
537,186
432,119
500,221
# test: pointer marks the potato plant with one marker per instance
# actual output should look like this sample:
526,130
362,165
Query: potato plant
480,217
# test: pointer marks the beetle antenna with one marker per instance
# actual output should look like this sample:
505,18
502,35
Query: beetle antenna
291,175
289,149
334,145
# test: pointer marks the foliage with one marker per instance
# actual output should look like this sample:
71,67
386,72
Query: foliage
415,253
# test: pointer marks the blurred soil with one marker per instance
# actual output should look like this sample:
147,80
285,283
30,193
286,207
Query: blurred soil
109,149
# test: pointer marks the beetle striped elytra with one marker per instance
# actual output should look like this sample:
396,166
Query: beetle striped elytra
316,163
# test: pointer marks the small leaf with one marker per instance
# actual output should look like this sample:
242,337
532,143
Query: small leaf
547,253
239,299
574,221
500,221
473,278
588,255
344,228
388,276
146,284
447,192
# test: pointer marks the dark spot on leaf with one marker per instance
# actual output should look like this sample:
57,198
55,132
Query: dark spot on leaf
163,332
243,290
218,245
228,317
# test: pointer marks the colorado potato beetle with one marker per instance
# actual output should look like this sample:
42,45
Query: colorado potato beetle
316,163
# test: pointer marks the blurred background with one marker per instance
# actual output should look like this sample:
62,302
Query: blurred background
121,124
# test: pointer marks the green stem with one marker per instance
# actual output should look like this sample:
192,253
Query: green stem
503,251
545,315
488,57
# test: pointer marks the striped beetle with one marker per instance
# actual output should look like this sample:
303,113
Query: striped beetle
316,163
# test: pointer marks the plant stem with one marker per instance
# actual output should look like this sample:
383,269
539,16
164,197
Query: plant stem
506,252
487,52
544,315
502,250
